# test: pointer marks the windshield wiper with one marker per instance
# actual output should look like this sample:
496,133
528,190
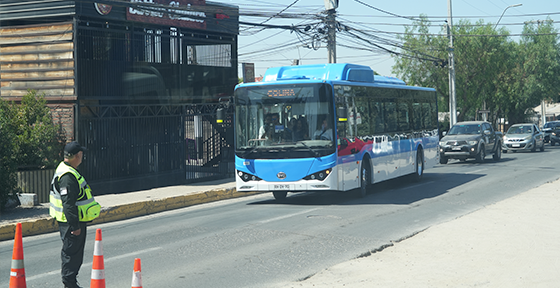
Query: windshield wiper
249,152
311,149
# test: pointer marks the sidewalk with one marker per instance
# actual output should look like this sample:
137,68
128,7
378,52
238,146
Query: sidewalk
513,243
116,207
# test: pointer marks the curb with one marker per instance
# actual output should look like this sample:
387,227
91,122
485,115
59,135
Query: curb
116,213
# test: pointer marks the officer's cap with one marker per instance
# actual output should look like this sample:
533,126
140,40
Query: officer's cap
73,148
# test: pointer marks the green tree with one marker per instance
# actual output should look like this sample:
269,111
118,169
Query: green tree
37,139
477,63
28,140
416,68
533,71
491,70
7,161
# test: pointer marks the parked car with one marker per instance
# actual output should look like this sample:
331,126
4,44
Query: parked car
547,129
523,137
472,139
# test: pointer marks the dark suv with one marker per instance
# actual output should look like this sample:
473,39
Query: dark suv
548,129
471,139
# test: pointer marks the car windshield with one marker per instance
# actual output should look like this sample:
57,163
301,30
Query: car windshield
520,130
551,124
461,129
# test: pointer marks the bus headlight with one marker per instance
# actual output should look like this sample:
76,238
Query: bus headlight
321,175
247,177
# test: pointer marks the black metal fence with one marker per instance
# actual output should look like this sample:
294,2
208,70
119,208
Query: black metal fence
134,147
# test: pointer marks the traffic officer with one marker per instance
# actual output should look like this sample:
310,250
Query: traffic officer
72,205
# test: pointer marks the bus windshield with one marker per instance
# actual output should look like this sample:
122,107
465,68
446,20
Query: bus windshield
280,121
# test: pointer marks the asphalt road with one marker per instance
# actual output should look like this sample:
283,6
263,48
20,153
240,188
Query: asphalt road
257,242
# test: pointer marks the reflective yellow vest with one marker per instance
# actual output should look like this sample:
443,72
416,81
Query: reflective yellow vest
88,208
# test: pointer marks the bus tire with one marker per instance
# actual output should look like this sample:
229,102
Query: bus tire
280,195
419,165
365,178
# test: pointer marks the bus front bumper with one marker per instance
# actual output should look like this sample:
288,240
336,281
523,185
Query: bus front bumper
329,183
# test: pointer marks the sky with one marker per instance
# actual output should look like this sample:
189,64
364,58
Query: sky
384,19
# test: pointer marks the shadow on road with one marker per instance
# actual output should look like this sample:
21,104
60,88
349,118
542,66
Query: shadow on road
399,191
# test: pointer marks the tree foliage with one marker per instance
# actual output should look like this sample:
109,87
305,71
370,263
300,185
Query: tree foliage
28,140
7,161
37,139
491,69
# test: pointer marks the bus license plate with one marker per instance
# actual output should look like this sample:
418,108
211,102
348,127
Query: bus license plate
280,187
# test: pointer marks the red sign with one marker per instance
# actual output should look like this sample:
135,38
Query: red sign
178,13
102,9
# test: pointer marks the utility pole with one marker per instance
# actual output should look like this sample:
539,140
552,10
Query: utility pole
452,98
330,6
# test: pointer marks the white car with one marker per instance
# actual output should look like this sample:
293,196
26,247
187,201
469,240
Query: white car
525,136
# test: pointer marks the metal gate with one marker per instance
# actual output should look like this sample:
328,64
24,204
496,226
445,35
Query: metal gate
136,147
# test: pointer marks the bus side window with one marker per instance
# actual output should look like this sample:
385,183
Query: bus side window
364,120
377,118
390,112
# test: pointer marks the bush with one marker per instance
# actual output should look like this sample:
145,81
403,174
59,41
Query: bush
38,143
28,140
7,161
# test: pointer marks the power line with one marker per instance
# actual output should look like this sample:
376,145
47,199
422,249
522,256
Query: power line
386,12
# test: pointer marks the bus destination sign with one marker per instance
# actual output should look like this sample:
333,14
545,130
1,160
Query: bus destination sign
281,93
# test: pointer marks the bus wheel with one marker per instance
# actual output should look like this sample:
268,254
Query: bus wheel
365,179
419,171
280,195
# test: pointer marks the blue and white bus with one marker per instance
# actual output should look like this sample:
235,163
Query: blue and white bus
331,127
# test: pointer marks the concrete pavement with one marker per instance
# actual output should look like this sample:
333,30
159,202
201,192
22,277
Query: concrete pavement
513,243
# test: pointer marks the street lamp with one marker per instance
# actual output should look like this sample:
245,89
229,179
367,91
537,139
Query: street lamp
510,6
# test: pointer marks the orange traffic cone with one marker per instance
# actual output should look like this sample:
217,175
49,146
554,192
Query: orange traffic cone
137,274
17,274
98,268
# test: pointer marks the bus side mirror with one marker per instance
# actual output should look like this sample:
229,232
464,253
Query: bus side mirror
342,114
220,115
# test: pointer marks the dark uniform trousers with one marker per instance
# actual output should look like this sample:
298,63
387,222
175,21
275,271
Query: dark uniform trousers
72,253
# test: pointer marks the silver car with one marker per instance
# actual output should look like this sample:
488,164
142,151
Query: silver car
523,137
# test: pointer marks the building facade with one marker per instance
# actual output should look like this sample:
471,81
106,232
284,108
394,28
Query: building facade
137,82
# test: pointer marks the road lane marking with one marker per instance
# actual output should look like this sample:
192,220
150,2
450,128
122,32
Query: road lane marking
476,171
105,260
286,216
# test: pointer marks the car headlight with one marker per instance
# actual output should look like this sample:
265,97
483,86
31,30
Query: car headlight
472,143
441,143
553,133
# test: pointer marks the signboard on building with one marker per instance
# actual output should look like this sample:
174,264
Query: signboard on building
248,72
176,13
